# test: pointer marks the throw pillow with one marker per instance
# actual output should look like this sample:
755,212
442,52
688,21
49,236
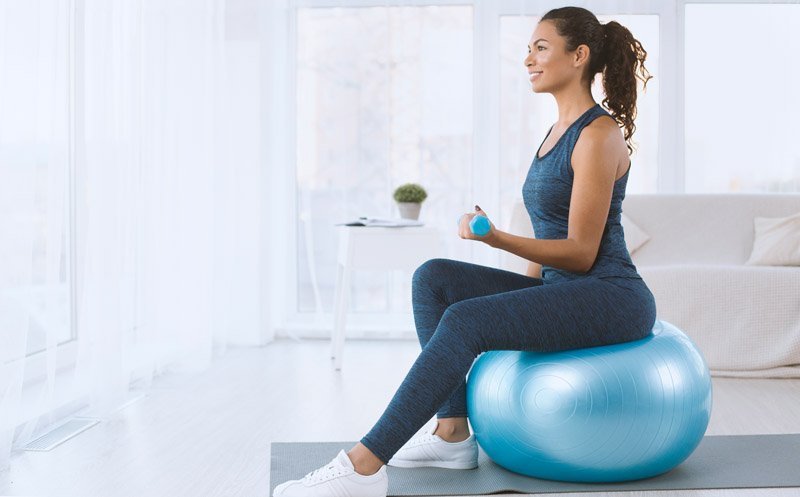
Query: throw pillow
635,236
776,241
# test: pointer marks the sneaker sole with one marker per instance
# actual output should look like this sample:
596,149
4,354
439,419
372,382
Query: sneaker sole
432,464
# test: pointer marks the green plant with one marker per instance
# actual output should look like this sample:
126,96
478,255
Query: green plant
410,192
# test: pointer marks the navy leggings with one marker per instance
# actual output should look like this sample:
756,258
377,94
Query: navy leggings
462,310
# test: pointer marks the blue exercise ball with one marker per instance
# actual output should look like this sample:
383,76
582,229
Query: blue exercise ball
601,414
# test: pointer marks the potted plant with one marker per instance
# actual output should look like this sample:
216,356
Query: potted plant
409,198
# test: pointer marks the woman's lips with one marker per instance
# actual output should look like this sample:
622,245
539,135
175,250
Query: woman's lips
534,76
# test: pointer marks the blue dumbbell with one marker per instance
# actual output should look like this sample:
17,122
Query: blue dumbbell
479,225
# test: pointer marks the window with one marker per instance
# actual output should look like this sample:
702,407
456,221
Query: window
741,98
35,275
377,106
384,97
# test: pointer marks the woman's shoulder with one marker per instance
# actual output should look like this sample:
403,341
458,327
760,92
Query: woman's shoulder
604,122
604,128
602,136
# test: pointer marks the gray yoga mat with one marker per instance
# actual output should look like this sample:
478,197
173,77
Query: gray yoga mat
735,461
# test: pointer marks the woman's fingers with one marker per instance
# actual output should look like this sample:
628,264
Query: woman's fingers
465,222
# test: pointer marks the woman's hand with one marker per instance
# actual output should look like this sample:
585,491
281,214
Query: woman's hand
466,233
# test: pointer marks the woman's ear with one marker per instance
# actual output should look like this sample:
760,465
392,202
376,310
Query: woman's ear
581,54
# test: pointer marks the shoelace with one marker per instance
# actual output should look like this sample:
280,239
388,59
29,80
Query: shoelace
416,442
424,438
324,473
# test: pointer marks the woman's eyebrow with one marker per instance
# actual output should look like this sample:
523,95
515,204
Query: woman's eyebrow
537,41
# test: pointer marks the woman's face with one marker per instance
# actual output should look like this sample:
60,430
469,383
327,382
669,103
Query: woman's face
549,66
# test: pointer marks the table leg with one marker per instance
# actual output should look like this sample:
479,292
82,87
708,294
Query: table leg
337,296
340,314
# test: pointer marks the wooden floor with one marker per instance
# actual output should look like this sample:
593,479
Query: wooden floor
209,434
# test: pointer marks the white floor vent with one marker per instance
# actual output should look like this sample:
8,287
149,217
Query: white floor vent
59,435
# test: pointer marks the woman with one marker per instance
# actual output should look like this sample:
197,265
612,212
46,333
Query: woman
581,290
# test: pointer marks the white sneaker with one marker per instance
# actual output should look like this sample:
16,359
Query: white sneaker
429,450
338,478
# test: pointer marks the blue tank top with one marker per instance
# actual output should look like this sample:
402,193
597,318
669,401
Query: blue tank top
546,193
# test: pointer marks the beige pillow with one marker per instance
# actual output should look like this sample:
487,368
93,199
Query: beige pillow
776,241
635,236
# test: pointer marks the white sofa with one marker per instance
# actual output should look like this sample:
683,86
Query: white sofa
744,318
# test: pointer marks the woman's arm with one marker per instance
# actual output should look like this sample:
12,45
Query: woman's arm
563,254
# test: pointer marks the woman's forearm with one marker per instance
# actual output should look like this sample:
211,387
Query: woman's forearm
561,254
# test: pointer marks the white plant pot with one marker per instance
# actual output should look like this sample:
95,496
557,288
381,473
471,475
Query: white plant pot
409,210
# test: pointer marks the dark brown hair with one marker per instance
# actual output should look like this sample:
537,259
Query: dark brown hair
613,51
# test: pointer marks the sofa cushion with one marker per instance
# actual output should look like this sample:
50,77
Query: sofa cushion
635,236
776,242
744,319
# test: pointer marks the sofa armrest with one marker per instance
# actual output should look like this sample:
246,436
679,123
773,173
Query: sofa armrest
744,319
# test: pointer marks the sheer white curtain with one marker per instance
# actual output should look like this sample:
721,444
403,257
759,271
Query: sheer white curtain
127,183
147,214
34,165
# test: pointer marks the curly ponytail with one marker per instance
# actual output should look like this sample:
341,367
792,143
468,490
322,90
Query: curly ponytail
614,52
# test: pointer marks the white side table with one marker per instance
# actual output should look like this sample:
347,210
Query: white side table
360,247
